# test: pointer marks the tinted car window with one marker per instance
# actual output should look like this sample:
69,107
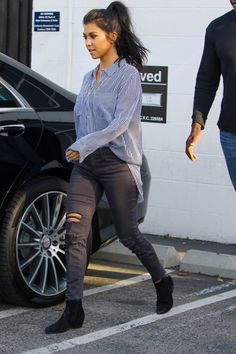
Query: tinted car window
38,95
6,98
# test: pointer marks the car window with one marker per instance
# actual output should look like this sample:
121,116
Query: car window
7,99
38,95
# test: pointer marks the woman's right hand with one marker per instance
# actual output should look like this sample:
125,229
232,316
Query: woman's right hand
72,155
192,141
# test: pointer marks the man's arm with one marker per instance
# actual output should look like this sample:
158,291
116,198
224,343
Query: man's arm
207,83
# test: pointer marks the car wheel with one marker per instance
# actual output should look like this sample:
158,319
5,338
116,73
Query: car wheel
32,244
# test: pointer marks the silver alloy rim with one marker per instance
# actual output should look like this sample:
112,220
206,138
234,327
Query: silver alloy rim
40,244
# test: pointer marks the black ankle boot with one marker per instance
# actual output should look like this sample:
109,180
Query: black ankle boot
164,290
72,317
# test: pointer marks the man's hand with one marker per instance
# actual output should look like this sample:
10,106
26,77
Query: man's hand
192,140
72,155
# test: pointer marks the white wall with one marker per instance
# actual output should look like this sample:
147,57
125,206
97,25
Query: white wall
194,200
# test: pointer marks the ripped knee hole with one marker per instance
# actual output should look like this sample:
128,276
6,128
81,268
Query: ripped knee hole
73,217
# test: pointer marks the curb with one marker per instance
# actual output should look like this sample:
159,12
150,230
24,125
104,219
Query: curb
210,263
116,252
193,261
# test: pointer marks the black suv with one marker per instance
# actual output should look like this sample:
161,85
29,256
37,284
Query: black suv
36,127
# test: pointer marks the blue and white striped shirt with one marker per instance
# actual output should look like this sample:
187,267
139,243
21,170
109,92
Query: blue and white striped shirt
107,113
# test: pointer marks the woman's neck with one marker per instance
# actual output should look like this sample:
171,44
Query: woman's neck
106,62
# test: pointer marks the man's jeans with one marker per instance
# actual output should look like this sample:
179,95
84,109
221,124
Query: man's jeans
103,171
228,143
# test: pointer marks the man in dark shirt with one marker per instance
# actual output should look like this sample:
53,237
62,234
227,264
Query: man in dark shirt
219,58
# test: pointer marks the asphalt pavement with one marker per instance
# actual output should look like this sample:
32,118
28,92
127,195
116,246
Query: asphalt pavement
119,302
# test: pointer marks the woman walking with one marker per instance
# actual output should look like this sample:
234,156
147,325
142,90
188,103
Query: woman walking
107,156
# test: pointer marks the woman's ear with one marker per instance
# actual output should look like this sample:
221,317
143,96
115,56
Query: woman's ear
113,37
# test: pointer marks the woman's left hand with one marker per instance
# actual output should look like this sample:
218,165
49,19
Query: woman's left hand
72,155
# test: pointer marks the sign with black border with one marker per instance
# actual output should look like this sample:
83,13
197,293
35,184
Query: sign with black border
47,21
154,81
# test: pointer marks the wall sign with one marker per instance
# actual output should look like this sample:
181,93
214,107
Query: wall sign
47,21
154,98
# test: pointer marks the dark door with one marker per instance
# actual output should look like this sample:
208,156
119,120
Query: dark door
20,132
16,29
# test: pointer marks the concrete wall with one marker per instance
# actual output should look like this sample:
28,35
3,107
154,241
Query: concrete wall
194,200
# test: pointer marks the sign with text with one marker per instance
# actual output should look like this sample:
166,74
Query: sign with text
47,21
154,99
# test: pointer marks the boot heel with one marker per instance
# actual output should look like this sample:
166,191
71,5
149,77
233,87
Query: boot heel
79,322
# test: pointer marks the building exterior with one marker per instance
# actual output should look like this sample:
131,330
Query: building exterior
16,29
189,200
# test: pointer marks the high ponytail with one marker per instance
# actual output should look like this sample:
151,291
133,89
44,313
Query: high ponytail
116,18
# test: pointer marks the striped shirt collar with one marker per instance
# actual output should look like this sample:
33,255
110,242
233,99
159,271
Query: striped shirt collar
111,69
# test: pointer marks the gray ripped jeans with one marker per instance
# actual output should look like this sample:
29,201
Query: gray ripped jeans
103,171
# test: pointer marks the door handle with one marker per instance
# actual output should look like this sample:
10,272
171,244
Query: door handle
12,129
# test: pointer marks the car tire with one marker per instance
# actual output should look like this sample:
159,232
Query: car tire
33,231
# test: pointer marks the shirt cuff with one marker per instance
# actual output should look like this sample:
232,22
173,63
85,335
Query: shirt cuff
78,146
198,118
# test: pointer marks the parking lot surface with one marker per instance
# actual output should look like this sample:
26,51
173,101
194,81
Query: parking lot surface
119,304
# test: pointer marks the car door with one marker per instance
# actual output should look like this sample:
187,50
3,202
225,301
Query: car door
20,132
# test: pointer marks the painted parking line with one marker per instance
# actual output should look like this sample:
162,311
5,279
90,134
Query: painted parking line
118,284
121,283
213,289
104,333
12,312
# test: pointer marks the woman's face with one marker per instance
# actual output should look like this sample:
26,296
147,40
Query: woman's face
233,3
98,42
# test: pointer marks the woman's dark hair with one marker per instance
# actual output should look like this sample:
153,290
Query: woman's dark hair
116,18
